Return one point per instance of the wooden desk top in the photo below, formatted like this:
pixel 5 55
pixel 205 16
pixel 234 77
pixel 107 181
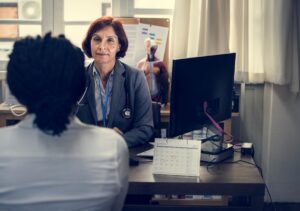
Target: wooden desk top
pixel 4 109
pixel 6 114
pixel 220 179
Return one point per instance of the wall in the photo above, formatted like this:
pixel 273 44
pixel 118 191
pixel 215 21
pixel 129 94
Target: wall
pixel 281 143
pixel 270 117
pixel 251 117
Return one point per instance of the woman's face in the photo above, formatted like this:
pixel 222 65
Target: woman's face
pixel 104 46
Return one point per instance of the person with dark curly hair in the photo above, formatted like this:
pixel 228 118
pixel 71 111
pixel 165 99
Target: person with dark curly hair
pixel 118 95
pixel 52 161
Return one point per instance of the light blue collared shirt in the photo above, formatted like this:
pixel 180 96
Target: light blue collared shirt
pixel 97 79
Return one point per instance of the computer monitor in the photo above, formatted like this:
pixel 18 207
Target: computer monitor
pixel 195 81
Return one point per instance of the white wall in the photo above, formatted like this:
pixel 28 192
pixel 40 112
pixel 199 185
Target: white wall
pixel 281 143
pixel 251 117
pixel 270 117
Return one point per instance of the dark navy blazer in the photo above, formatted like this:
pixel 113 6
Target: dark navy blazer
pixel 139 128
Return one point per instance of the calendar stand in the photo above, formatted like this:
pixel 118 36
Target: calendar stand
pixel 177 157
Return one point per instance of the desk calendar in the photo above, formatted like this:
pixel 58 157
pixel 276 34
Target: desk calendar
pixel 177 157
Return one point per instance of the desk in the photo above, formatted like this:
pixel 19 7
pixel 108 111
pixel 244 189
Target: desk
pixel 5 114
pixel 239 179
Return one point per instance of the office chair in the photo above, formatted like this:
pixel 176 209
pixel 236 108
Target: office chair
pixel 156 120
pixel 157 132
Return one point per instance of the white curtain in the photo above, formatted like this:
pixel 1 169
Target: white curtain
pixel 263 33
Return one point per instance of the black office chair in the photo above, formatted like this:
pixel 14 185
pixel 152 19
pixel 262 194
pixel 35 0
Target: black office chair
pixel 133 161
pixel 156 120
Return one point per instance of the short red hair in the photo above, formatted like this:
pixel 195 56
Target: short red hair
pixel 101 23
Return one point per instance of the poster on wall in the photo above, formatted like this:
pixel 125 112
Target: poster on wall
pixel 157 33
pixel 137 33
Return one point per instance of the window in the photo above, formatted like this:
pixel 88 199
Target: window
pixel 75 25
pixel 153 8
pixel 19 18
pixel 154 4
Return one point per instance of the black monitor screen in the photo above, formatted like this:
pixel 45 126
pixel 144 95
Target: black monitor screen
pixel 198 80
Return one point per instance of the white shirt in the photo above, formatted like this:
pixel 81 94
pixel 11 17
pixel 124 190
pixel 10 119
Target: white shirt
pixel 86 168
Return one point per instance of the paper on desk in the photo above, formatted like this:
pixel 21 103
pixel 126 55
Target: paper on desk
pixel 148 153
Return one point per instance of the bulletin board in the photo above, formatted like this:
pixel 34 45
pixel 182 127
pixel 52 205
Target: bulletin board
pixel 164 22
pixel 153 23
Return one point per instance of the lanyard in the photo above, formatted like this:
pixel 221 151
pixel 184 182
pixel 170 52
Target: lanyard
pixel 104 103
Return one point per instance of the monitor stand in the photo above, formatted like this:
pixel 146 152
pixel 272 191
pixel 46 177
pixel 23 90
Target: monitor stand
pixel 213 149
pixel 215 156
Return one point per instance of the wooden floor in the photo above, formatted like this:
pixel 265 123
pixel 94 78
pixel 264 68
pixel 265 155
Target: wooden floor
pixel 282 207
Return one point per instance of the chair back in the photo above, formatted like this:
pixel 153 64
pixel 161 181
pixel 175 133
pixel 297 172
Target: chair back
pixel 156 119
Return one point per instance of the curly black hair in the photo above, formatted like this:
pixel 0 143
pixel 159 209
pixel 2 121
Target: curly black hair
pixel 47 75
